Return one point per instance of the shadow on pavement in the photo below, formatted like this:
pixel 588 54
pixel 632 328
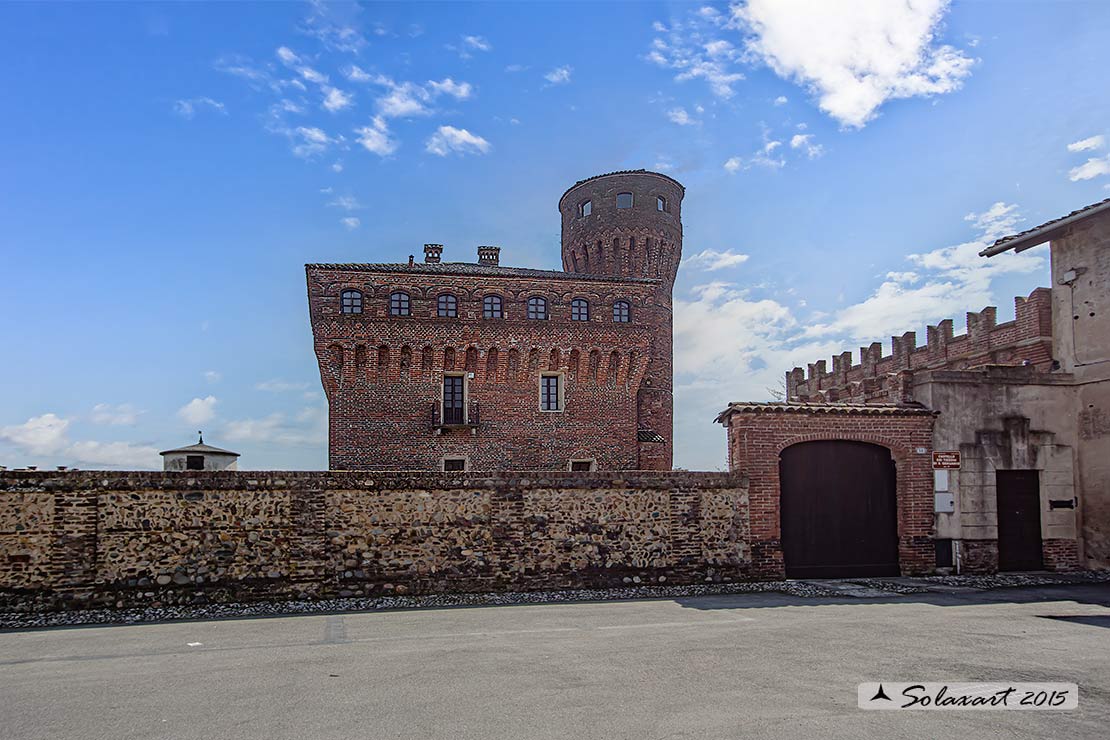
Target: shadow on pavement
pixel 1094 593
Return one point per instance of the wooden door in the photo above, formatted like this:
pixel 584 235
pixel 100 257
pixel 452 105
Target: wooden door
pixel 838 510
pixel 1019 520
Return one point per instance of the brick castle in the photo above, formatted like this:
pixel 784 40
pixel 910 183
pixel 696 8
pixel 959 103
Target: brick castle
pixel 460 365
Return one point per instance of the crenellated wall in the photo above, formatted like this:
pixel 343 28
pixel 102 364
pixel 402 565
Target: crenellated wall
pixel 115 538
pixel 1027 340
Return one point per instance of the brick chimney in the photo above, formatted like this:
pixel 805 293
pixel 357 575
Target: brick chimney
pixel 432 253
pixel 489 256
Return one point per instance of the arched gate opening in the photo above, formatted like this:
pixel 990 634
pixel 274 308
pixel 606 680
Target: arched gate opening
pixel 838 510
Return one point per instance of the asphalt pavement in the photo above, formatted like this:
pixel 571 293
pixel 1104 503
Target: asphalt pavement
pixel 745 665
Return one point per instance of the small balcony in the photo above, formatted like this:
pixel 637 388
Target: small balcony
pixel 465 417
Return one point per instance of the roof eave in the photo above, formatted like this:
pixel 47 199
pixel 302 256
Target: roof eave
pixel 1039 236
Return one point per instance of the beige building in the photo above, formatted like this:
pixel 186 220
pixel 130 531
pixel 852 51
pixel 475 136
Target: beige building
pixel 1079 245
pixel 1022 433
pixel 199 457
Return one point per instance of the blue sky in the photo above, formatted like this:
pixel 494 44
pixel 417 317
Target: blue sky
pixel 166 171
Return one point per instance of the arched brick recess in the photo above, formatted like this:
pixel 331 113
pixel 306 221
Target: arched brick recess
pixel 758 433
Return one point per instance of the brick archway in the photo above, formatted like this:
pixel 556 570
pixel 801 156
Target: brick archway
pixel 759 432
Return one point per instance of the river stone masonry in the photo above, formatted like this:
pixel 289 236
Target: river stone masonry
pixel 127 539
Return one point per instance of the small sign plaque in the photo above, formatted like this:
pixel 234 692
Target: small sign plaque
pixel 946 460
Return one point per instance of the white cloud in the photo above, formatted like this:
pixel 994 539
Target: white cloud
pixel 407 99
pixel 903 277
pixel 733 165
pixel 45 436
pixel 781 100
pixel 468 44
pixel 765 157
pixel 286 106
pixel 375 138
pixel 114 454
pixel 346 202
pixel 337 166
pixel 447 86
pixel 953 280
pixel 449 139
pixel 307 141
pixel 39 435
pixel 307 429
pixel 681 117
pixel 199 410
pixel 1090 169
pixel 188 108
pixel 805 143
pixel 711 259
pixel 477 43
pixel 335 25
pixel 122 415
pixel 336 100
pixel 693 50
pixel 212 376
pixel 512 68
pixel 1088 144
pixel 291 60
pixel 854 56
pixel 286 55
pixel 719 331
pixel 355 73
pixel 559 75
pixel 350 222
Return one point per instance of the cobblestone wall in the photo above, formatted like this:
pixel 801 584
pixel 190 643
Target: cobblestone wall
pixel 80 538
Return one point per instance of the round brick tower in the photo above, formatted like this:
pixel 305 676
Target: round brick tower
pixel 629 224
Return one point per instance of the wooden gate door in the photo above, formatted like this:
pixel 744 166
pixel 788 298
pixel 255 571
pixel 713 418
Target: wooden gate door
pixel 1019 520
pixel 838 510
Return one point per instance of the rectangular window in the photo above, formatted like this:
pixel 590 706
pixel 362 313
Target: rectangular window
pixel 453 399
pixel 399 304
pixel 550 399
pixel 581 466
pixel 194 462
pixel 454 464
pixel 491 307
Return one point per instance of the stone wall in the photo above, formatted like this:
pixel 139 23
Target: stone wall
pixel 77 538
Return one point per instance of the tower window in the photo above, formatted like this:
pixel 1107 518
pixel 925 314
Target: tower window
pixel 537 308
pixel 579 310
pixel 491 307
pixel 624 200
pixel 454 464
pixel 447 306
pixel 583 466
pixel 586 208
pixel 194 462
pixel 622 312
pixel 351 301
pixel 399 304
pixel 660 203
pixel 551 396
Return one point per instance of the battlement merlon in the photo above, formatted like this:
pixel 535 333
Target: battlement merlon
pixel 1027 339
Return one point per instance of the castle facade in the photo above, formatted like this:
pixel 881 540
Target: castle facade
pixel 439 365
